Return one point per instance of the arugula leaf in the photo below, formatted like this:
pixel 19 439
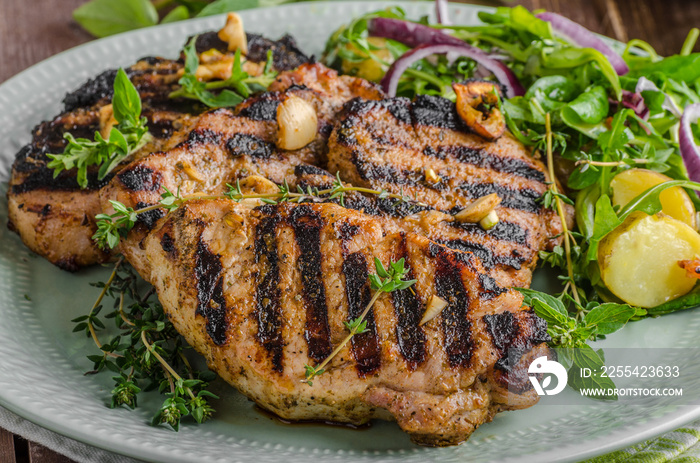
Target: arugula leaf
pixel 590 107
pixel 606 220
pixel 107 17
pixel 677 67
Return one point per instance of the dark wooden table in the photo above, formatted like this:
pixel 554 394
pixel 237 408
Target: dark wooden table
pixel 31 31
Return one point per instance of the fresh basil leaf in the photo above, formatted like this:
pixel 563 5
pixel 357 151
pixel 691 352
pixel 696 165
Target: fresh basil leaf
pixel 609 317
pixel 225 6
pixel 176 14
pixel 108 17
pixel 126 102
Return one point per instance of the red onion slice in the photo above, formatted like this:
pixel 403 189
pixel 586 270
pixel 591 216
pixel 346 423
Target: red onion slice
pixel 441 12
pixel 579 35
pixel 428 41
pixel 689 150
pixel 504 75
pixel 409 33
pixel 644 84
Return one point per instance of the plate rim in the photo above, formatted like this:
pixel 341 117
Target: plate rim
pixel 650 429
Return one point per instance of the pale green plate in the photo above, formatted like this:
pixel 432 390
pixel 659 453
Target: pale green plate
pixel 42 362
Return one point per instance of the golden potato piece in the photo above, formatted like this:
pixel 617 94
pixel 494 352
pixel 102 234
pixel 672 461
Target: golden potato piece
pixel 639 259
pixel 676 203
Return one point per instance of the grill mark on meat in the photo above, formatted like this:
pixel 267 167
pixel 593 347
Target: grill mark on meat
pixel 42 179
pixel 268 311
pixel 509 337
pixel 211 303
pixel 456 326
pixel 307 225
pixel 140 178
pixel 203 137
pixel 149 218
pixel 487 257
pixel 503 231
pixel 91 92
pixel 168 245
pixel 365 346
pixel 435 111
pixel 408 309
pixel 243 144
pixel 308 169
pixel 480 158
pixel 524 199
pixel 489 287
pixel 263 109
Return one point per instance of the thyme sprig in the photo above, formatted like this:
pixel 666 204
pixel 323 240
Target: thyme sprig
pixel 384 281
pixel 239 86
pixel 112 227
pixel 128 135
pixel 147 353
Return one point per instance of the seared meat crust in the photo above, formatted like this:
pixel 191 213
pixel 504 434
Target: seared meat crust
pixel 392 144
pixel 261 293
pixel 225 145
pixel 54 216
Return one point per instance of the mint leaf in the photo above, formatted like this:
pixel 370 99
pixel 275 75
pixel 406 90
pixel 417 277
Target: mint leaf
pixel 609 317
pixel 108 17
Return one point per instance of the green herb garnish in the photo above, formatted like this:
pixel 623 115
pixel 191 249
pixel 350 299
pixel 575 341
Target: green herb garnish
pixel 384 281
pixel 233 90
pixel 147 353
pixel 128 135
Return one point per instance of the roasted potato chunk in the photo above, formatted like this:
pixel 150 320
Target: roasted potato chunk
pixel 675 201
pixel 639 259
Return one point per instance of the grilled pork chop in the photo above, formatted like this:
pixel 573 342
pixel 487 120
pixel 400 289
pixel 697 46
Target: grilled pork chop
pixel 55 217
pixel 227 144
pixel 393 144
pixel 263 292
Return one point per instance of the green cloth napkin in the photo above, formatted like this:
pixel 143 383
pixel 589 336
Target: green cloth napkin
pixel 679 446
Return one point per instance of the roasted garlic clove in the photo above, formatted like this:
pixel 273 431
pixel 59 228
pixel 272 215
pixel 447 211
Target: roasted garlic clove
pixel 479 209
pixel 297 122
pixel 233 34
pixel 477 105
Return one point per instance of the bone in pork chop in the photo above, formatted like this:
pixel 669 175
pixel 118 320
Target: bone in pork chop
pixel 226 144
pixel 54 216
pixel 393 144
pixel 260 293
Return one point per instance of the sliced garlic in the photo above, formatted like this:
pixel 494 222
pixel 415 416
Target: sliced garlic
pixel 478 209
pixel 297 122
pixel 431 176
pixel 490 221
pixel 191 172
pixel 107 120
pixel 256 184
pixel 435 306
pixel 234 220
pixel 233 34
